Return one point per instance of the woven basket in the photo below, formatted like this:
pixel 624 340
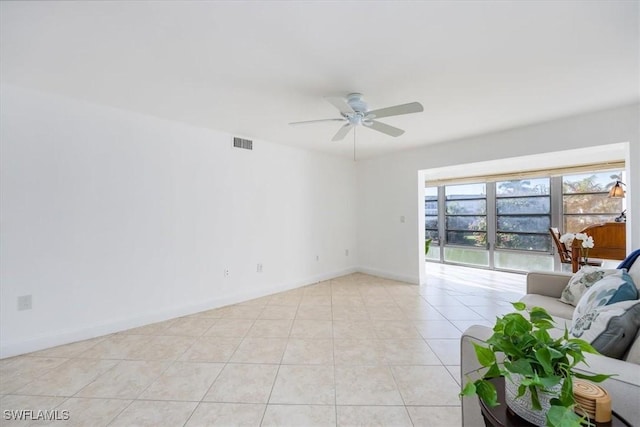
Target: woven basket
pixel 522 405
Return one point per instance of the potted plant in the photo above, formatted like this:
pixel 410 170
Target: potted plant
pixel 427 245
pixel 537 368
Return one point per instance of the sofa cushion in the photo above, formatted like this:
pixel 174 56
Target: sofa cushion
pixel 553 306
pixel 611 329
pixel 581 281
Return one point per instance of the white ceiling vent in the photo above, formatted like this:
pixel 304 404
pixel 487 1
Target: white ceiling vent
pixel 247 144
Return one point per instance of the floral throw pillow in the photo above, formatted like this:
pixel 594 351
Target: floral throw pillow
pixel 582 280
pixel 610 329
pixel 608 315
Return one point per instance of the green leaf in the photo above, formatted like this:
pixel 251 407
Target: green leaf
pixel 543 356
pixel 504 345
pixel 566 393
pixel 522 389
pixel 544 324
pixel 539 314
pixel 535 401
pixel 535 381
pixel 542 335
pixel 487 392
pixel 560 416
pixel 548 382
pixel 485 356
pixel 519 305
pixel 520 366
pixel 427 243
pixel 527 341
pixel 555 354
pixel 516 325
pixel 555 402
pixel 576 355
pixel 595 378
pixel 583 345
pixel 493 372
pixel 469 389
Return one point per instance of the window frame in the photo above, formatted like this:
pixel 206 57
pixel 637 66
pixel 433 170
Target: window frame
pixel 445 226
pixel 549 215
pixel 556 214
pixel 564 215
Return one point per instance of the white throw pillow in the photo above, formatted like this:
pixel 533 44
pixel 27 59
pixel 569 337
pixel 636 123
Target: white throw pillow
pixel 581 281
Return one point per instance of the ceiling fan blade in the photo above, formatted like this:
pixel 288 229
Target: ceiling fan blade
pixel 384 128
pixel 412 107
pixel 317 121
pixel 340 104
pixel 342 132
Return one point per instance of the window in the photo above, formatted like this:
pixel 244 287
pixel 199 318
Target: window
pixel 466 224
pixel 431 214
pixel 431 222
pixel 523 214
pixel 585 200
pixel 504 222
pixel 466 214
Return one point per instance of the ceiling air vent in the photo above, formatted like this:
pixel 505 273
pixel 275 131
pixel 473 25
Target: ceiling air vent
pixel 247 144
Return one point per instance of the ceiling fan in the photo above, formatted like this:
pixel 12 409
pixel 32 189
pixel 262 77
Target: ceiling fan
pixel 355 112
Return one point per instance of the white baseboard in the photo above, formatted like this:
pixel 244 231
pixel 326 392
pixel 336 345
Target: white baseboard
pixel 387 275
pixel 15 348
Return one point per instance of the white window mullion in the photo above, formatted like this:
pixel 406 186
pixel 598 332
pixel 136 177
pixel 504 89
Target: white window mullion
pixel 556 215
pixel 491 222
pixel 441 219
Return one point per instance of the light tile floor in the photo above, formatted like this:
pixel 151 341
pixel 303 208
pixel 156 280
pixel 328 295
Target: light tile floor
pixel 356 350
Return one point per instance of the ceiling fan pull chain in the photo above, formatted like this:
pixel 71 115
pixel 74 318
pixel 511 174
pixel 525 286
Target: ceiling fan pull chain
pixel 354 144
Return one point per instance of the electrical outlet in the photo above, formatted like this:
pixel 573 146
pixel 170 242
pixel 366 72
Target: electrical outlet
pixel 317 257
pixel 25 302
pixel 346 252
pixel 259 268
pixel 402 219
pixel 226 272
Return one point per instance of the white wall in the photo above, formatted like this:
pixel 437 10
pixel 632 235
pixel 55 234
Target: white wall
pixel 393 186
pixel 112 219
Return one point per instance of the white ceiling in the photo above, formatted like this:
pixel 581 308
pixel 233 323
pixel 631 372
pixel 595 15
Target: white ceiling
pixel 249 68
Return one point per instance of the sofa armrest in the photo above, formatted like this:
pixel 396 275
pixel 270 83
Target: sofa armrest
pixel 624 388
pixel 471 415
pixel 546 283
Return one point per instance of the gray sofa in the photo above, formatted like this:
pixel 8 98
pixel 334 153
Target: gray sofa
pixel 543 290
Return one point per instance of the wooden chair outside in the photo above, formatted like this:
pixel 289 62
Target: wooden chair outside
pixel 564 253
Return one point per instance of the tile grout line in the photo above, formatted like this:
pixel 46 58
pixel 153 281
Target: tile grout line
pixel 378 289
pixel 275 378
pixel 333 347
pixel 225 364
